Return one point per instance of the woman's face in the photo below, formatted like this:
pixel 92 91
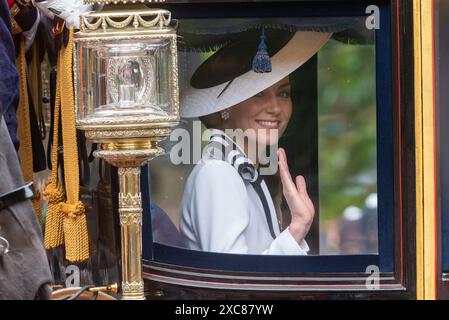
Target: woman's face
pixel 270 110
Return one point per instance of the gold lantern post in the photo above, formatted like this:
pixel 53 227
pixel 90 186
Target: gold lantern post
pixel 126 97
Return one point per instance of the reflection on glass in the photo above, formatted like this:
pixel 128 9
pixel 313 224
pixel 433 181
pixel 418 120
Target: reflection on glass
pixel 128 80
pixel 347 149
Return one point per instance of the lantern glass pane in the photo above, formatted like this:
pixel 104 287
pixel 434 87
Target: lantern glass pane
pixel 129 78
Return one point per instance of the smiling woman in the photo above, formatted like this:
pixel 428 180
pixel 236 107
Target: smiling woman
pixel 248 89
pixel 269 109
pixel 242 93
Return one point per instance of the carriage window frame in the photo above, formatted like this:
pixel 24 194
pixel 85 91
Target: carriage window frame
pixel 175 261
pixel 443 130
pixel 442 152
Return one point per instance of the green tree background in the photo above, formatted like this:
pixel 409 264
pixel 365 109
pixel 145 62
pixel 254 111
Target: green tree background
pixel 347 127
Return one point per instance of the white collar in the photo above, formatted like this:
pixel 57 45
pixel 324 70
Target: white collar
pixel 228 139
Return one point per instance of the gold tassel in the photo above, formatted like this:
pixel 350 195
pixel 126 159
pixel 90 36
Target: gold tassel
pixel 54 236
pixel 75 221
pixel 75 232
pixel 54 193
pixel 24 129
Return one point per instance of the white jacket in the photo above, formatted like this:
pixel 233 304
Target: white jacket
pixel 221 212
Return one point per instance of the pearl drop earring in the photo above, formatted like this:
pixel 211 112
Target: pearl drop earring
pixel 225 115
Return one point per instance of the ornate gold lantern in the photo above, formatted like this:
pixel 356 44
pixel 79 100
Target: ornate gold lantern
pixel 126 89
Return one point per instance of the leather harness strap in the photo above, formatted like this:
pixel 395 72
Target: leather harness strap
pixel 17 195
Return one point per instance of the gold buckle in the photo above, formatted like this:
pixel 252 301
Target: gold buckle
pixel 14 10
pixel 16 29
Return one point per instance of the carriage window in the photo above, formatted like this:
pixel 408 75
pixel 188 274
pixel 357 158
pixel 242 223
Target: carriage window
pixel 319 97
pixel 319 194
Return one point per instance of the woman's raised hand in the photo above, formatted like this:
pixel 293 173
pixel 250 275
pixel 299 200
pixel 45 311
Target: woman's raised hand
pixel 301 207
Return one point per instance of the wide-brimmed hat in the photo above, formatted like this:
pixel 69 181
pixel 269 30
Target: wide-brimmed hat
pixel 229 77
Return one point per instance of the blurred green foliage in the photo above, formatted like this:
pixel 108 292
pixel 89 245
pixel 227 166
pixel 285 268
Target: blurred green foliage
pixel 347 126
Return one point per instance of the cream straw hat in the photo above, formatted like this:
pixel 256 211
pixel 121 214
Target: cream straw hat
pixel 227 77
